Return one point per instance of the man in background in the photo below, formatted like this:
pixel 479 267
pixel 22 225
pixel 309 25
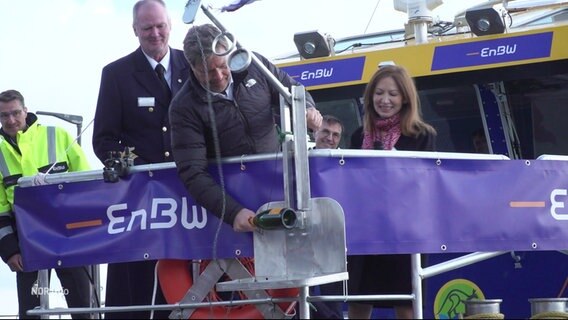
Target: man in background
pixel 132 112
pixel 27 149
pixel 479 141
pixel 219 113
pixel 328 135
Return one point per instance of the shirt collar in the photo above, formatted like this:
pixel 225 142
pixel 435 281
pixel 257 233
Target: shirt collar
pixel 165 61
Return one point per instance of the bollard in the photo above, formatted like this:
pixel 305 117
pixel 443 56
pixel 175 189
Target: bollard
pixel 549 308
pixel 483 309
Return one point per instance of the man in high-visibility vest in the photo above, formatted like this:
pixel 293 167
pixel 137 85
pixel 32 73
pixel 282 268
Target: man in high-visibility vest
pixel 29 149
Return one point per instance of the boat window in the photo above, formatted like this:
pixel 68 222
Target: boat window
pixel 540 108
pixel 346 110
pixel 454 113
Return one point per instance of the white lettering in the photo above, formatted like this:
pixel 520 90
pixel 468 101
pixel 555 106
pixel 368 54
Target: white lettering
pixel 138 213
pixel 319 73
pixel 115 220
pixel 163 215
pixel 58 168
pixel 170 212
pixel 499 51
pixel 558 204
pixel 195 223
pixel 511 49
pixel 40 291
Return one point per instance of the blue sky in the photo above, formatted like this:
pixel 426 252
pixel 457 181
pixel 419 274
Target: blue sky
pixel 54 51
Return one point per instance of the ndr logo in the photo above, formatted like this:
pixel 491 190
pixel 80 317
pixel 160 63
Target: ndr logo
pixel 499 51
pixel 317 74
pixel 164 215
pixel 43 291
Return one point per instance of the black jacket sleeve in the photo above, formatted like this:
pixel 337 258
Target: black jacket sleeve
pixel 9 241
pixel 189 145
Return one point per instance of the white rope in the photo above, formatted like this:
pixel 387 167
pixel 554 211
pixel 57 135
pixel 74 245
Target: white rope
pixel 372 15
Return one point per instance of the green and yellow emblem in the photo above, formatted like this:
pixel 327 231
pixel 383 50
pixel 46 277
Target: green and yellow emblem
pixel 449 299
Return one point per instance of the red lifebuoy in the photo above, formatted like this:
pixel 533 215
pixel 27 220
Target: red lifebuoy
pixel 175 280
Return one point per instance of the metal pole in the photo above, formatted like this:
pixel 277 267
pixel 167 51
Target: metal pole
pixel 79 127
pixel 416 285
pixel 304 305
pixel 71 118
pixel 271 78
pixel 43 290
pixel 92 270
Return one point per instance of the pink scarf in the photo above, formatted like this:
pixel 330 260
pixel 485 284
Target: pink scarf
pixel 387 131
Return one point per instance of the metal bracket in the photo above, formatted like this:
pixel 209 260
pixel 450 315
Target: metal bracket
pixel 207 280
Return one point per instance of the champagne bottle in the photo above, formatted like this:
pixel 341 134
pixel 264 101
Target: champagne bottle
pixel 275 218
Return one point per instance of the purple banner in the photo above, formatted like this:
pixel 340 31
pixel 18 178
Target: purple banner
pixel 328 72
pixel 484 52
pixel 391 205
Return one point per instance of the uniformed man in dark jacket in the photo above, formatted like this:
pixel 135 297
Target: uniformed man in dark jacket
pixel 243 104
pixel 132 111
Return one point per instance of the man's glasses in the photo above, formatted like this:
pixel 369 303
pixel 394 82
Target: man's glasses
pixel 13 113
pixel 326 132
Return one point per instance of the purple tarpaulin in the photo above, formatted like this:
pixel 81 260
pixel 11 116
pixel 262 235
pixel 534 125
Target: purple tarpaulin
pixel 391 205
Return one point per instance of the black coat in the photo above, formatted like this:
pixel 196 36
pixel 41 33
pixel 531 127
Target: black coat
pixel 244 126
pixel 120 121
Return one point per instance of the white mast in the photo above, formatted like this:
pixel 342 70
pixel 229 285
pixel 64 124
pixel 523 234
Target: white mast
pixel 419 15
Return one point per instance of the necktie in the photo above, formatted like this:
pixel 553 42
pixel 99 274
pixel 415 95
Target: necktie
pixel 160 70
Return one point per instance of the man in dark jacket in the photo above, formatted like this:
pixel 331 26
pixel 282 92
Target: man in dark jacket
pixel 132 111
pixel 132 107
pixel 240 119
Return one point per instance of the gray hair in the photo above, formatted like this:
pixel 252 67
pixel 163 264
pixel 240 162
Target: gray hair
pixel 139 4
pixel 198 43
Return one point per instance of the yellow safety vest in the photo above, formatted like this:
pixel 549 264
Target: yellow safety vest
pixel 42 149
